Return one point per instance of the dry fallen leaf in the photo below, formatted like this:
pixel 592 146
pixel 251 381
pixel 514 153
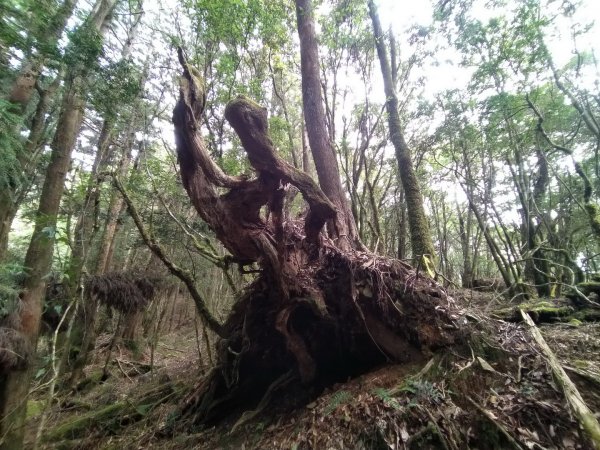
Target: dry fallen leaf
pixel 485 365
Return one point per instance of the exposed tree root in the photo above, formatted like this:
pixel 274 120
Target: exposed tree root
pixel 321 310
pixel 347 313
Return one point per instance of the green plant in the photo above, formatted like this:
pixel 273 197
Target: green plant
pixel 337 399
pixel 10 275
pixel 10 147
pixel 422 390
pixel 387 398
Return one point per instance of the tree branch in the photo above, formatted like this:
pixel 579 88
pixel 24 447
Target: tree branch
pixel 180 273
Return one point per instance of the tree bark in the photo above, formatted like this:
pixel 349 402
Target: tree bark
pixel 420 237
pixel 11 199
pixel 344 227
pixel 24 85
pixel 38 259
pixel 83 337
pixel 20 96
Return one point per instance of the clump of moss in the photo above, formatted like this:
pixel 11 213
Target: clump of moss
pixel 34 408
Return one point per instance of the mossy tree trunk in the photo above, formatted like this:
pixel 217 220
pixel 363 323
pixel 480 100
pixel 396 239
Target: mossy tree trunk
pixel 420 238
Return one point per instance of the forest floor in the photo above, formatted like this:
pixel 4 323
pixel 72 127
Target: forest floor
pixel 496 393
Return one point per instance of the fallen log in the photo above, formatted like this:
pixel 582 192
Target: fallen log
pixel 584 415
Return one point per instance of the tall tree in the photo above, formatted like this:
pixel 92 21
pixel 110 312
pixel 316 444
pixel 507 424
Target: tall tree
pixel 420 237
pixel 344 227
pixel 19 96
pixel 38 260
pixel 83 335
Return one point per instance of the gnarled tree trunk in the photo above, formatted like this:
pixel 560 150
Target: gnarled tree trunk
pixel 315 313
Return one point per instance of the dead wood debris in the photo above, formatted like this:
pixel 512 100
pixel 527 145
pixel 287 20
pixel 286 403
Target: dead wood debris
pixel 581 411
pixel 15 350
pixel 518 405
pixel 419 406
pixel 123 291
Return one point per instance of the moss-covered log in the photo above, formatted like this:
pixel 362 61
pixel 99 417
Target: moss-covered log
pixel 548 311
pixel 113 417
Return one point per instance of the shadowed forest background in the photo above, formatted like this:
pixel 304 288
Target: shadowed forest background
pixel 299 224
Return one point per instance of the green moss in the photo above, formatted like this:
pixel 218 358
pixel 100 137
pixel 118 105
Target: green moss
pixel 588 287
pixel 135 348
pixel 553 311
pixel 574 322
pixel 594 217
pixel 536 305
pixel 34 408
pixel 80 426
pixel 481 347
pixel 490 436
pixel 545 311
pixel 581 364
pixel 587 315
pixel 88 383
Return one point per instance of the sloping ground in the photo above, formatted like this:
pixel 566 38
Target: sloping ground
pixel 497 393
pixel 501 396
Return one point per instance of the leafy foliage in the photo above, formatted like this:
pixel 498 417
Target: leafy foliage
pixel 10 277
pixel 10 146
pixel 116 85
pixel 337 399
pixel 85 47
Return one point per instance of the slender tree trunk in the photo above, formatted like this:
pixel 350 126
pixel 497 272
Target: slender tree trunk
pixel 417 221
pixel 402 228
pixel 84 335
pixel 114 210
pixel 83 237
pixel 20 96
pixel 38 259
pixel 494 250
pixel 279 98
pixel 314 115
pixel 465 229
pixel 306 166
pixel 86 221
pixel 11 199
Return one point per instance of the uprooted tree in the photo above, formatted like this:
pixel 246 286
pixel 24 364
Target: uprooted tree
pixel 318 311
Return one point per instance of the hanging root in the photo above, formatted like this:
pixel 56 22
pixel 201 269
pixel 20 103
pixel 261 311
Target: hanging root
pixel 15 350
